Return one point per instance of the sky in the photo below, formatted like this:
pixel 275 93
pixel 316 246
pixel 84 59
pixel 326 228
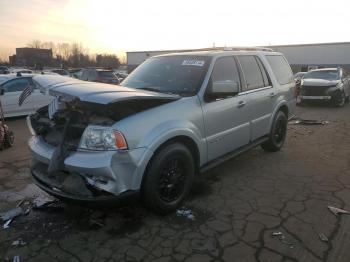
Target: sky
pixel 114 26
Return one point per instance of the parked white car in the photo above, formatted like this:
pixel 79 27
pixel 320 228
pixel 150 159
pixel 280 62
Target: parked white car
pixel 12 87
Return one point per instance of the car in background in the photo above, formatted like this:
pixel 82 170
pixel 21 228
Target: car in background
pixel 21 71
pixel 61 72
pixel 299 76
pixel 4 70
pixel 98 75
pixel 327 84
pixel 12 87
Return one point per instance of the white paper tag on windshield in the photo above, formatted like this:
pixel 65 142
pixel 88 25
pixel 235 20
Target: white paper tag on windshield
pixel 193 62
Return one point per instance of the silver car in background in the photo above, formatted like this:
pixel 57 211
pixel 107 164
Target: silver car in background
pixel 175 116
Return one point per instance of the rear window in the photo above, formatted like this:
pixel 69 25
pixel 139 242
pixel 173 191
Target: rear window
pixel 281 68
pixel 106 74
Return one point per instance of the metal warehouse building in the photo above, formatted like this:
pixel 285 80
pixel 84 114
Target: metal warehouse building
pixel 301 57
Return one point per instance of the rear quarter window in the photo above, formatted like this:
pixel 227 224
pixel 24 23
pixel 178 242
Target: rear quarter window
pixel 281 69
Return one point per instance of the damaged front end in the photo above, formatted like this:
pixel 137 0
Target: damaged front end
pixel 79 155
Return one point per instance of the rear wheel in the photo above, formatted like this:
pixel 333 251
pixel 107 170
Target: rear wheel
pixel 277 134
pixel 169 178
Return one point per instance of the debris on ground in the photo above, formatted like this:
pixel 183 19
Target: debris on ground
pixel 282 238
pixel 19 242
pixel 7 224
pixel 183 212
pixel 323 237
pixel 96 222
pixel 11 213
pixel 42 202
pixel 308 122
pixel 274 234
pixel 337 211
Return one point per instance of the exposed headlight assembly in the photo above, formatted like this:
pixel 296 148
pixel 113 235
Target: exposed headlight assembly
pixel 102 138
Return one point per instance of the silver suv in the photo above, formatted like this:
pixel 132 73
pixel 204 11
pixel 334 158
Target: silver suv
pixel 175 116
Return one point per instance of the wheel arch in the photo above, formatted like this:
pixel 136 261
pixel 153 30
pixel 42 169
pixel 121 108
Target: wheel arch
pixel 182 139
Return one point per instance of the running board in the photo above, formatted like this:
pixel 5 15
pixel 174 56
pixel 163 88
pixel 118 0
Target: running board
pixel 233 154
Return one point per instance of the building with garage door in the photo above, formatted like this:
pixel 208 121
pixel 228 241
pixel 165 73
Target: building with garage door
pixel 301 57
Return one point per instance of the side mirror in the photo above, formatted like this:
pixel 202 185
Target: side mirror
pixel 2 91
pixel 221 89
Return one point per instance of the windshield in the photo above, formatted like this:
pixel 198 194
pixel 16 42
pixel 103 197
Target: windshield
pixel 324 74
pixel 109 74
pixel 179 74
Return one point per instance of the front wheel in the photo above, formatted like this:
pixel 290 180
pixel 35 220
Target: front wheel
pixel 277 134
pixel 341 100
pixel 168 178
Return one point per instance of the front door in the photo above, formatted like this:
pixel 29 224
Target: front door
pixel 12 91
pixel 226 124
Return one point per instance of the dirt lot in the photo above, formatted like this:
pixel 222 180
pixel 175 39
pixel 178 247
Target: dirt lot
pixel 236 206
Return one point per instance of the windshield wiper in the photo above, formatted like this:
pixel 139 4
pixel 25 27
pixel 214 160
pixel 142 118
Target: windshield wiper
pixel 157 90
pixel 151 89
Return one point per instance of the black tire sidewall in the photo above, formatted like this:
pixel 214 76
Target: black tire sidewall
pixel 149 189
pixel 280 116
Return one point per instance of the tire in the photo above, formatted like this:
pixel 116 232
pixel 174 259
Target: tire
pixel 168 179
pixel 341 101
pixel 277 134
pixel 9 139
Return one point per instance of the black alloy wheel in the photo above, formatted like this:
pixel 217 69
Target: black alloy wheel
pixel 168 178
pixel 277 134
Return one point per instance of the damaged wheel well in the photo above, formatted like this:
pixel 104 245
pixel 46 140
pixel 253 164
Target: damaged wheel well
pixel 186 141
pixel 284 109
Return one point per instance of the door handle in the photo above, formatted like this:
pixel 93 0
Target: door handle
pixel 272 94
pixel 241 103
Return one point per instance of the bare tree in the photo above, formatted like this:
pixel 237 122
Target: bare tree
pixel 34 44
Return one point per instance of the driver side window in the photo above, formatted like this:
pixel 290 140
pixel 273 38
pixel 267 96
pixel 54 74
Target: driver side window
pixel 16 85
pixel 226 73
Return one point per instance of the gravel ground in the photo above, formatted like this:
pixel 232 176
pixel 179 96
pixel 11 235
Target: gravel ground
pixel 236 207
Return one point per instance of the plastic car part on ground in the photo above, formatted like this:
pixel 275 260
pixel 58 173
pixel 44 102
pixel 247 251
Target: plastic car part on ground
pixel 11 213
pixel 323 237
pixel 282 238
pixel 184 212
pixel 301 121
pixel 337 211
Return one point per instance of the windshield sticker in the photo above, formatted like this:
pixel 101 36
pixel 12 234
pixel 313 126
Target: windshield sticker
pixel 193 63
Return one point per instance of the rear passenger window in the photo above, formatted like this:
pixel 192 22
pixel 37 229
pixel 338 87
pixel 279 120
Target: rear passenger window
pixel 280 68
pixel 253 74
pixel 263 72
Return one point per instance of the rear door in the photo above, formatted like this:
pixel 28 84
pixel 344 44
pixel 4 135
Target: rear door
pixel 261 95
pixel 226 121
pixel 12 91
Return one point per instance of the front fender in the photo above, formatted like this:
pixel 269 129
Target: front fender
pixel 161 134
pixel 171 129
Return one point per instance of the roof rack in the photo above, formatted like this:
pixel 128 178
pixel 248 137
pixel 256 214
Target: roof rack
pixel 240 48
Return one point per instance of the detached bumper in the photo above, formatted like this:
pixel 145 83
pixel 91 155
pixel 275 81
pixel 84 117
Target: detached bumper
pixel 105 199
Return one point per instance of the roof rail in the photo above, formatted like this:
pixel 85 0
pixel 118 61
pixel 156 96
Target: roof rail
pixel 242 48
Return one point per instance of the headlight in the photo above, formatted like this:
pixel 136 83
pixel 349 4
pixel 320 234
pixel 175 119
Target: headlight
pixel 102 138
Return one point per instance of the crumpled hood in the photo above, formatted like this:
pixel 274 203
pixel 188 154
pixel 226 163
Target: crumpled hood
pixel 319 82
pixel 94 92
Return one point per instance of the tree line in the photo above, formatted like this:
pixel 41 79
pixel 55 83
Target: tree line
pixel 76 55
